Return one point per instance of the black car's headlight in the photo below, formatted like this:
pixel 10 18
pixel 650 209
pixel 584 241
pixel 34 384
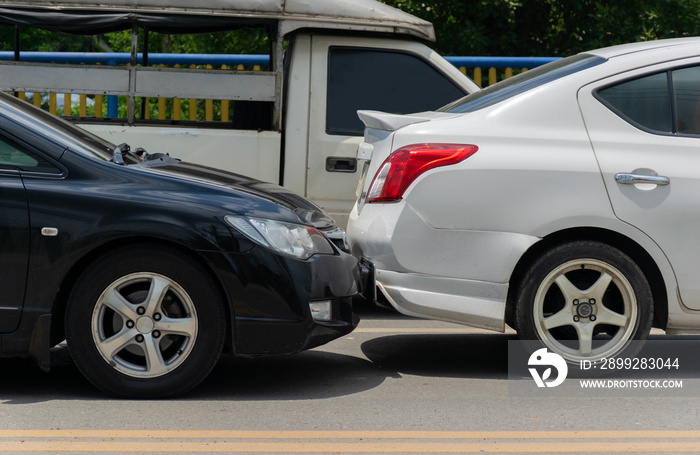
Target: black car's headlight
pixel 290 239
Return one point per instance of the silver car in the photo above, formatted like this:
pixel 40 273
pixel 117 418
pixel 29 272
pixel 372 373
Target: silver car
pixel 564 202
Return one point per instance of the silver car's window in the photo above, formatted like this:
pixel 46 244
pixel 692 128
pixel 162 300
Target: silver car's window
pixel 523 82
pixel 644 102
pixel 686 95
pixel 666 102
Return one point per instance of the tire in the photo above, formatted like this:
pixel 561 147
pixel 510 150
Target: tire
pixel 145 322
pixel 585 300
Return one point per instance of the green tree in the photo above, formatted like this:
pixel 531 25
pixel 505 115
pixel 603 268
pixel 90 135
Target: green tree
pixel 463 27
pixel 33 39
pixel 243 41
pixel 550 27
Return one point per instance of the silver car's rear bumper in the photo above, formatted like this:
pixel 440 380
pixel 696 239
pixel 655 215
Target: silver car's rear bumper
pixel 474 303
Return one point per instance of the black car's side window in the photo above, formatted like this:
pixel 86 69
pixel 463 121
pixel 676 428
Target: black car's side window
pixel 13 156
pixel 667 102
pixel 389 81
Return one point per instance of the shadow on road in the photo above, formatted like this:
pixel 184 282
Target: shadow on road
pixel 315 374
pixel 305 376
pixel 23 382
pixel 309 375
pixel 483 356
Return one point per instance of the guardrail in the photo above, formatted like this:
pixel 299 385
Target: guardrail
pixel 483 70
pixel 497 67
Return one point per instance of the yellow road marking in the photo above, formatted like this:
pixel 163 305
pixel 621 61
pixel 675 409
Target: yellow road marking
pixel 352 447
pixel 225 441
pixel 255 434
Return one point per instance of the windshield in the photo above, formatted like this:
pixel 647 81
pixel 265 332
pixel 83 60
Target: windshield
pixel 521 83
pixel 55 127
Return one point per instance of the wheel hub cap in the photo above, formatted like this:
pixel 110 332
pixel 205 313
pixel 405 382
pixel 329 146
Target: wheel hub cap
pixel 584 310
pixel 145 324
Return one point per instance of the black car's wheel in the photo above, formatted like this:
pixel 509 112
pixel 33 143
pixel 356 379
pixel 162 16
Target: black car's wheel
pixel 145 323
pixel 585 301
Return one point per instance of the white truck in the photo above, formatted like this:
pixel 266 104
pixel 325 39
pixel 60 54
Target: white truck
pixel 294 123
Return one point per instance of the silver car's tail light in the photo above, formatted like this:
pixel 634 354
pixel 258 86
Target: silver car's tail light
pixel 404 165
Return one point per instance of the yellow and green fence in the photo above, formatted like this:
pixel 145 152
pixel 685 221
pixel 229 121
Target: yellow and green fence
pixel 484 71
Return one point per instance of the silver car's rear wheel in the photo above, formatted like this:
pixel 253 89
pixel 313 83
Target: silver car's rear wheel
pixel 585 301
pixel 593 298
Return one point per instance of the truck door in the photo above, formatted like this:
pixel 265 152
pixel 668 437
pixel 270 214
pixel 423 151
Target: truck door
pixel 348 74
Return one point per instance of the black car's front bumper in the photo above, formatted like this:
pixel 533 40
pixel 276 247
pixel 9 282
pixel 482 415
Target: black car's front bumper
pixel 270 297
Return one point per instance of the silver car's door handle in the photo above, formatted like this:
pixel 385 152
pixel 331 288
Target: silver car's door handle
pixel 631 179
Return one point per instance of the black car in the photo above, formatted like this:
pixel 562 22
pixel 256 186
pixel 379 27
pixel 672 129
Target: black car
pixel 149 267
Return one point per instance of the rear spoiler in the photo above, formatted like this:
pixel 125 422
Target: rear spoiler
pixel 390 122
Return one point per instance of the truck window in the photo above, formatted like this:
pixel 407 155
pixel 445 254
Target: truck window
pixel 388 81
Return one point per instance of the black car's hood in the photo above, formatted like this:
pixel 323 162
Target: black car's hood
pixel 307 211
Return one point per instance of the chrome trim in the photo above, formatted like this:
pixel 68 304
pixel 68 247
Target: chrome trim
pixel 632 179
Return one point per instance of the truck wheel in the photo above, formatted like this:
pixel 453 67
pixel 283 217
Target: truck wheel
pixel 585 301
pixel 145 323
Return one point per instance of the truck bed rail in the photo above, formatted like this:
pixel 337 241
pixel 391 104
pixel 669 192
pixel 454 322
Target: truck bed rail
pixel 166 84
